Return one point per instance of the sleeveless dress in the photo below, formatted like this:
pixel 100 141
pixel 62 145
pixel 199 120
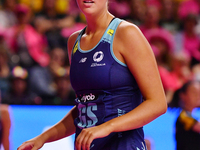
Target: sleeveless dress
pixel 105 89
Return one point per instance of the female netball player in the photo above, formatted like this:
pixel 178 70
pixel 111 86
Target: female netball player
pixel 187 98
pixel 116 80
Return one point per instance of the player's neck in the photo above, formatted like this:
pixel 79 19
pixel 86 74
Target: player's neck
pixel 99 23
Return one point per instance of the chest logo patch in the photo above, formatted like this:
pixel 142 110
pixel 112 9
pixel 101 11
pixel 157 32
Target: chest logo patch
pixel 98 56
pixel 110 32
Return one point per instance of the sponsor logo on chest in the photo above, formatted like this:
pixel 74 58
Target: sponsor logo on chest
pixel 97 59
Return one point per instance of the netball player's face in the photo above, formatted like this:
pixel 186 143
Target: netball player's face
pixel 192 95
pixel 92 7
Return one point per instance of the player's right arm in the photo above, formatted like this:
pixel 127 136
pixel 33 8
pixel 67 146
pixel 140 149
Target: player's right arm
pixel 63 128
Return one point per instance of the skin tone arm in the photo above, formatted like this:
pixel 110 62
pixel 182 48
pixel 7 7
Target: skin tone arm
pixel 6 123
pixel 62 129
pixel 133 49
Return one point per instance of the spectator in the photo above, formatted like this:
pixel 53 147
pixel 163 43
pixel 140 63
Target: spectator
pixel 174 67
pixel 36 5
pixel 65 95
pixel 152 16
pixel 168 15
pixel 27 46
pixel 7 14
pixel 58 59
pixel 163 45
pixel 137 12
pixel 119 8
pixel 179 75
pixel 196 71
pixel 181 69
pixel 76 20
pixel 187 127
pixel 4 71
pixel 50 22
pixel 187 39
pixel 42 78
pixel 19 92
pixel 4 66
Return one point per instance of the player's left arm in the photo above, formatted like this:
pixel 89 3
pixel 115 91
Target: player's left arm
pixel 136 52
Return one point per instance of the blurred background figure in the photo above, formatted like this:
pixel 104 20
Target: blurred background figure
pixel 186 38
pixel 5 125
pixel 196 71
pixel 162 44
pixel 4 67
pixel 180 73
pixel 119 8
pixel 42 78
pixel 19 91
pixel 51 20
pixel 152 16
pixel 181 69
pixel 65 95
pixel 187 127
pixel 7 14
pixel 137 12
pixel 168 15
pixel 26 44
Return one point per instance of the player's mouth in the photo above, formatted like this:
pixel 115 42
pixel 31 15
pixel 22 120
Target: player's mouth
pixel 88 1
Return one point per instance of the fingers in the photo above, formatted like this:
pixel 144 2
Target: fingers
pixel 34 148
pixel 25 146
pixel 80 139
pixel 84 140
pixel 88 143
pixel 29 146
pixel 78 143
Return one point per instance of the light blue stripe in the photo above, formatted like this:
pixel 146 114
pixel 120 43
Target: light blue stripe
pixel 111 46
pixel 115 58
pixel 106 37
pixel 86 51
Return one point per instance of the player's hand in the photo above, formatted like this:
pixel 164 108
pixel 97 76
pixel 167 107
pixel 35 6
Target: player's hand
pixel 87 135
pixel 33 144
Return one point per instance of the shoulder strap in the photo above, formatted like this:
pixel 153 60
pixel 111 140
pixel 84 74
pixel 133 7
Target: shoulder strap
pixel 110 32
pixel 75 47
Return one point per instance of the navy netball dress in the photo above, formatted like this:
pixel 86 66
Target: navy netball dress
pixel 105 89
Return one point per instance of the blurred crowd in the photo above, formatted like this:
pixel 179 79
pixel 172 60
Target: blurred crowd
pixel 34 66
